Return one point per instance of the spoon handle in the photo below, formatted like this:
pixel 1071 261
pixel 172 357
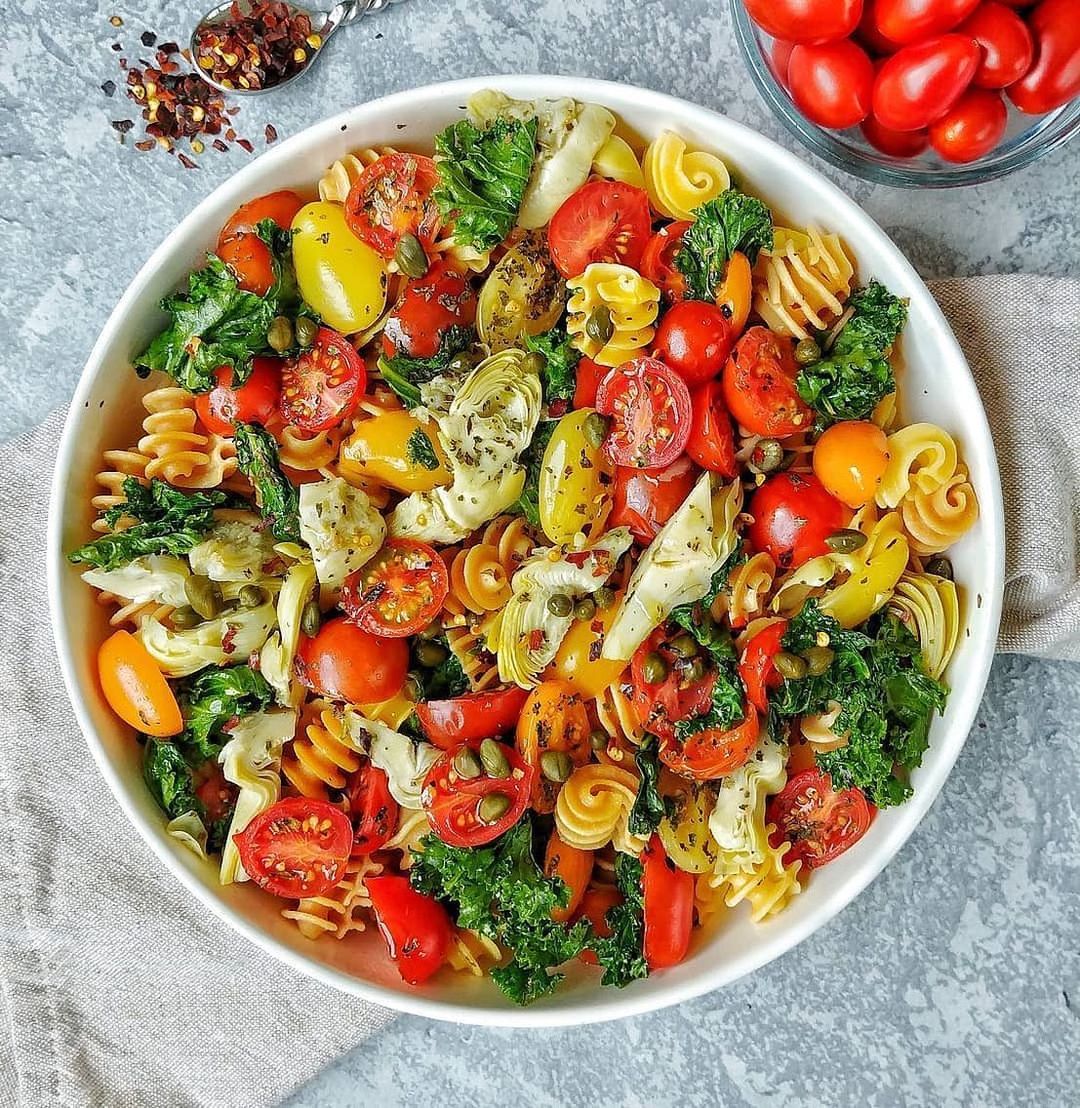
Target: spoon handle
pixel 348 11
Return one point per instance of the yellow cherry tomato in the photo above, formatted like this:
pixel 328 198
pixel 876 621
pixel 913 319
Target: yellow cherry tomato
pixel 523 295
pixel 135 688
pixel 388 449
pixel 850 460
pixel 342 278
pixel 734 292
pixel 578 661
pixel 685 831
pixel 575 482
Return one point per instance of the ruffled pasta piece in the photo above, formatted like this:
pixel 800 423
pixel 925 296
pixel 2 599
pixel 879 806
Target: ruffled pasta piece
pixel 340 911
pixel 116 467
pixel 594 806
pixel 935 520
pixel 679 180
pixel 177 449
pixel 133 613
pixel 320 757
pixel 768 887
pixel 922 456
pixel 802 282
pixel 748 587
pixel 305 453
pixel 930 607
pixel 616 715
pixel 474 643
pixel 617 161
pixel 480 574
pixel 339 178
pixel 413 826
pixel 633 301
pixel 472 953
pixel 709 903
pixel 819 729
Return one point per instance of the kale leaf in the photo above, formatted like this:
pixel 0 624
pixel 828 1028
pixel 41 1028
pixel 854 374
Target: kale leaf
pixel 405 375
pixel 622 952
pixel 731 222
pixel 482 177
pixel 648 809
pixel 420 450
pixel 275 495
pixel 446 680
pixel 285 292
pixel 559 374
pixel 528 503
pixel 168 776
pixel 212 698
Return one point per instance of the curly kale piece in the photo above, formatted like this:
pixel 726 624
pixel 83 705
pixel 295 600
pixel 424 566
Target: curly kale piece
pixel 275 495
pixel 212 698
pixel 731 222
pixel 405 375
pixel 648 809
pixel 559 375
pixel 622 952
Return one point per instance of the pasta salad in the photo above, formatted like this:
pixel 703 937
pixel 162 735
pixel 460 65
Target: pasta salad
pixel 523 553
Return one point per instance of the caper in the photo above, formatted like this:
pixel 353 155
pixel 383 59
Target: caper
pixel 494 759
pixel 940 567
pixel 533 363
pixel 186 617
pixel 600 326
pixel 430 653
pixel 696 671
pixel 251 596
pixel 493 807
pixel 595 429
pixel 432 631
pixel 685 645
pixel 604 597
pixel 311 618
pixel 818 660
pixel 807 352
pixel 462 362
pixel 767 456
pixel 280 334
pixel 410 256
pixel 598 739
pixel 560 605
pixel 203 595
pixel 790 666
pixel 584 609
pixel 467 763
pixel 846 541
pixel 306 330
pixel 654 669
pixel 555 765
pixel 414 687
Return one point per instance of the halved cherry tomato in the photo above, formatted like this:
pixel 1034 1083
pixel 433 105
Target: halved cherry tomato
pixel 604 221
pixel 135 688
pixel 416 928
pixel 714 752
pixel 427 309
pixel 280 206
pixel 850 460
pixel 694 339
pixel 668 893
pixel 453 802
pixel 373 810
pixel 650 409
pixel 1054 79
pixel 819 823
pixel 589 376
pixel 759 385
pixel 595 905
pixel 391 198
pixel 908 21
pixel 1007 46
pixel 645 501
pixel 322 385
pixel 832 83
pixel 679 696
pixel 255 401
pixel 658 260
pixel 573 867
pixel 897 144
pixel 553 718
pixel 297 847
pixel 793 516
pixel 806 20
pixel 241 249
pixel 756 664
pixel 712 438
pixel 344 662
pixel 920 83
pixel 398 592
pixel 972 127
pixel 469 718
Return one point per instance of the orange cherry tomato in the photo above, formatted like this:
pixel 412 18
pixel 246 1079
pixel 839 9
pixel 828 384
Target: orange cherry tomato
pixel 553 718
pixel 572 866
pixel 668 893
pixel 734 291
pixel 578 661
pixel 713 753
pixel 280 206
pixel 759 385
pixel 595 905
pixel 344 662
pixel 255 401
pixel 135 688
pixel 392 198
pixel 241 249
pixel 850 460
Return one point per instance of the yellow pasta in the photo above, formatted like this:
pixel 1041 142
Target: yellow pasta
pixel 470 642
pixel 473 953
pixel 617 161
pixel 749 585
pixel 768 887
pixel 307 453
pixel 480 574
pixel 708 899
pixel 679 180
pixel 930 607
pixel 177 449
pixel 632 301
pixel 335 183
pixel 117 466
pixel 819 729
pixel 340 911
pixel 935 520
pixel 319 758
pixel 922 456
pixel 594 806
pixel 133 613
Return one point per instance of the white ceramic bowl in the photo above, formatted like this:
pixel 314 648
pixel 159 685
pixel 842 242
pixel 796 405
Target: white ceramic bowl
pixel 935 382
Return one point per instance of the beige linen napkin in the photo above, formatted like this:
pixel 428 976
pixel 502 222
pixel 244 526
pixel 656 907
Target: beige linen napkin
pixel 121 990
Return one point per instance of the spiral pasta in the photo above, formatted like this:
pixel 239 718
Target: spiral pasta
pixel 319 758
pixel 617 716
pixel 819 729
pixel 480 574
pixel 632 300
pixel 594 806
pixel 413 826
pixel 935 520
pixel 617 161
pixel 305 453
pixel 768 886
pixel 749 585
pixel 470 641
pixel 340 911
pixel 133 613
pixel 679 180
pixel 339 178
pixel 922 456
pixel 175 447
pixel 930 607
pixel 116 467
pixel 472 953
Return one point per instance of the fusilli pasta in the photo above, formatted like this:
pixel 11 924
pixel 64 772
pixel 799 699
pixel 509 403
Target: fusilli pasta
pixel 480 574
pixel 340 911
pixel 935 520
pixel 116 467
pixel 318 758
pixel 930 606
pixel 768 886
pixel 679 180
pixel 922 455
pixel 472 953
pixel 177 449
pixel 749 584
pixel 594 806
pixel 633 302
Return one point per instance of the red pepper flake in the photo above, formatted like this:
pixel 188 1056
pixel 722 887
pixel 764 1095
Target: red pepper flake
pixel 245 145
pixel 271 134
pixel 186 162
pixel 219 145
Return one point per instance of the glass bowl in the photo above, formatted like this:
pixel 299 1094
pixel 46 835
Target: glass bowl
pixel 1027 139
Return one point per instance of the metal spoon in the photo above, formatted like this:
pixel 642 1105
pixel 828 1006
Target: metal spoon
pixel 324 24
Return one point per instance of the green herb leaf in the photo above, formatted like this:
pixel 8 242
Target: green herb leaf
pixel 621 954
pixel 285 292
pixel 420 450
pixel 405 375
pixel 444 681
pixel 212 698
pixel 648 809
pixel 168 776
pixel 275 495
pixel 528 503
pixel 732 222
pixel 559 375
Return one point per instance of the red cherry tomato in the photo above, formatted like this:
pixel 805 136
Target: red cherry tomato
pixel 660 705
pixel 649 405
pixel 595 905
pixel 373 810
pixel 399 592
pixel 391 198
pixel 908 21
pixel 897 144
pixel 322 385
pixel 819 823
pixel 832 83
pixel 250 261
pixel 415 927
pixel 694 339
pixel 255 401
pixel 343 662
pixel 668 895
pixel 604 221
pixel 428 308
pixel 793 516
pixel 658 260
pixel 589 376
pixel 645 501
pixel 869 35
pixel 756 668
pixel 806 20
pixel 759 385
pixel 469 718
pixel 972 127
pixel 297 847
pixel 714 753
pixel 1054 79
pixel 1007 46
pixel 712 438
pixel 919 84
pixel 280 206
pixel 777 59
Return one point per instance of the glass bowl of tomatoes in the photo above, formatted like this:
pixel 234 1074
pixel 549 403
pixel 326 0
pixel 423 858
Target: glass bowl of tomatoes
pixel 940 108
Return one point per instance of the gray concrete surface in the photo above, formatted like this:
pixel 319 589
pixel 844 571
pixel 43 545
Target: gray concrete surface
pixel 955 979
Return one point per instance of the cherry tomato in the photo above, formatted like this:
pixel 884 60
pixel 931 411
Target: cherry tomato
pixel 391 198
pixel 573 867
pixel 135 688
pixel 712 438
pixel 280 206
pixel 777 59
pixel 214 793
pixel 658 260
pixel 604 221
pixel 1007 46
pixel 250 261
pixel 416 928
pixel 694 339
pixel 255 401
pixel 578 661
pixel 298 847
pixel 832 83
pixel 806 20
pixel 399 592
pixel 589 376
pixel 793 516
pixel 735 292
pixel 759 385
pixel 454 803
pixel 428 308
pixel 972 127
pixel 346 663
pixel 1054 79
pixel 668 893
pixel 650 409
pixel 820 824
pixel 553 718
pixel 850 460
pixel 869 34
pixel 908 21
pixel 469 718
pixel 644 502
pixel 756 664
pixel 919 84
pixel 373 810
pixel 677 696
pixel 897 144
pixel 714 752
pixel 595 905
pixel 322 385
